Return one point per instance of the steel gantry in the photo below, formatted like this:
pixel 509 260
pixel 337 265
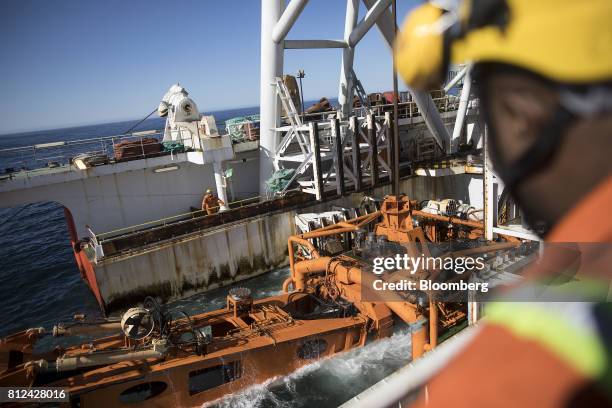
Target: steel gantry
pixel 352 148
pixel 332 154
pixel 277 19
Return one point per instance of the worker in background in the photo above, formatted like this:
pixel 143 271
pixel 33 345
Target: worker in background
pixel 211 203
pixel 543 72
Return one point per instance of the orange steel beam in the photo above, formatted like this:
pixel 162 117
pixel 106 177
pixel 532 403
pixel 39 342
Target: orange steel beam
pixel 484 249
pixel 294 239
pixel 453 220
pixel 304 268
pixel 341 227
pixel 335 229
pixel 353 280
pixel 433 325
pixel 473 224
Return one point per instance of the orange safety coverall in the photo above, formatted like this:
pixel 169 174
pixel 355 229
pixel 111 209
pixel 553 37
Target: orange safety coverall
pixel 211 204
pixel 501 368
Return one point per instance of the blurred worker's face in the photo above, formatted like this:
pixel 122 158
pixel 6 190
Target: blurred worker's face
pixel 518 106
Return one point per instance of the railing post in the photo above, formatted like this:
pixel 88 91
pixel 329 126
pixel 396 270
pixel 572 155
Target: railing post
pixel 488 192
pixel 316 160
pixel 390 145
pixel 374 145
pixel 335 123
pixel 356 151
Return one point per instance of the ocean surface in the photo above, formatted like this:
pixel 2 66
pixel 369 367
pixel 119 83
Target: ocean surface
pixel 39 280
pixel 40 285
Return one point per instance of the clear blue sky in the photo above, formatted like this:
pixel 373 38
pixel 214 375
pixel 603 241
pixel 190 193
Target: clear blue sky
pixel 74 62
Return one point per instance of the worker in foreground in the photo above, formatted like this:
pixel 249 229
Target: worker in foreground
pixel 211 203
pixel 543 72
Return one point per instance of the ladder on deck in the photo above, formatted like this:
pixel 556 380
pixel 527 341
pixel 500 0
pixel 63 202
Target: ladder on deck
pixel 361 94
pixel 319 162
pixel 297 134
pixel 283 92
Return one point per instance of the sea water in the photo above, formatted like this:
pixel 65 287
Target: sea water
pixel 40 285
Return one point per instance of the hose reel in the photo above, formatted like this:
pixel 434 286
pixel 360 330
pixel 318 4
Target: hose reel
pixel 137 323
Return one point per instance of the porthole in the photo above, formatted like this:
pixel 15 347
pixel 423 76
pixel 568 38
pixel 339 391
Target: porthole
pixel 142 392
pixel 211 377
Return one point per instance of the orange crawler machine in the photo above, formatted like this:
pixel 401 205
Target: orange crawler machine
pixel 153 359
pixel 333 273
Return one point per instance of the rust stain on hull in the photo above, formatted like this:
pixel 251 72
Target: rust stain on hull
pixel 227 250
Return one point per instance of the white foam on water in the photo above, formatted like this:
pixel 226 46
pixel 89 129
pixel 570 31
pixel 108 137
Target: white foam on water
pixel 328 382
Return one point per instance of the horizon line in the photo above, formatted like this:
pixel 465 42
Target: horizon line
pixel 105 122
pixel 111 121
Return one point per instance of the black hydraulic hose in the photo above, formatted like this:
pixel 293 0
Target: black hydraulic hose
pixel 145 118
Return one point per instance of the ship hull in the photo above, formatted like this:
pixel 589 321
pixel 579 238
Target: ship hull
pixel 227 253
pixel 230 363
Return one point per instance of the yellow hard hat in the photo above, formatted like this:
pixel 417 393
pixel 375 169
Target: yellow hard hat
pixel 208 191
pixel 567 41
